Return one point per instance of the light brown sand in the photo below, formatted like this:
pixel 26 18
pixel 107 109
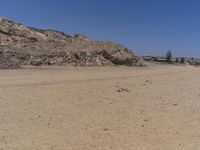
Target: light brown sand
pixel 88 108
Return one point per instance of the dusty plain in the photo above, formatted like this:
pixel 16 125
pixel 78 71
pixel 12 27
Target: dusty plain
pixel 100 108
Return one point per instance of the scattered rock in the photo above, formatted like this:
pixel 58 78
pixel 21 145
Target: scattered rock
pixel 122 90
pixel 147 82
pixel 36 62
pixel 106 129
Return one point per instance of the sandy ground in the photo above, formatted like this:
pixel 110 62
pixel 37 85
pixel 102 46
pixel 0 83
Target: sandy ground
pixel 103 108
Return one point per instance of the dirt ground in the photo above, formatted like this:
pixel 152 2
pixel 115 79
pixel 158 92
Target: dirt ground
pixel 100 108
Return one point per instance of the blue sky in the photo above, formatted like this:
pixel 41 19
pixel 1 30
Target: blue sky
pixel 144 26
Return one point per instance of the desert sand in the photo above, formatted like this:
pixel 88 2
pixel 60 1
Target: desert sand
pixel 100 108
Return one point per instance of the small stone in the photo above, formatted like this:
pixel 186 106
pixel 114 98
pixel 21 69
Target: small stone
pixel 106 129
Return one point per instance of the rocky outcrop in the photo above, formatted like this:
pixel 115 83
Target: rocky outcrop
pixel 30 46
pixel 6 61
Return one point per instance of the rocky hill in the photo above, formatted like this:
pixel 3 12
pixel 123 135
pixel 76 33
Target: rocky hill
pixel 22 45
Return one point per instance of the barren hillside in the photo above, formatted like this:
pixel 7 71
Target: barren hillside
pixel 23 45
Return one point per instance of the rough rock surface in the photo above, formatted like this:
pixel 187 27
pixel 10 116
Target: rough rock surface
pixel 22 45
pixel 6 61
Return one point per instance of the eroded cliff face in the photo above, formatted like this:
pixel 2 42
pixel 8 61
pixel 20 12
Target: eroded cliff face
pixel 22 45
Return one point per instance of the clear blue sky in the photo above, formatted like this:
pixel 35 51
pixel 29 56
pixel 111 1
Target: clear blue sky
pixel 144 26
